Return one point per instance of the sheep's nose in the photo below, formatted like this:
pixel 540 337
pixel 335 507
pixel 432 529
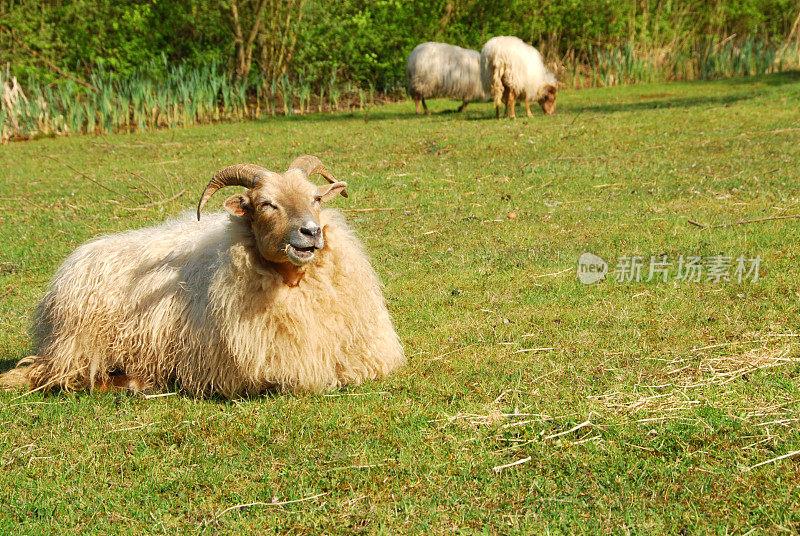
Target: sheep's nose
pixel 310 229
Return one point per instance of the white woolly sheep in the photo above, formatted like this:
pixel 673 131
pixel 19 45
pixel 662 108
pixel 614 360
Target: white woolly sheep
pixel 276 295
pixel 511 69
pixel 442 70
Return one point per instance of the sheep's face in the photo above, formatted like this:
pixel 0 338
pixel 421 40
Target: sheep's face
pixel 283 211
pixel 548 100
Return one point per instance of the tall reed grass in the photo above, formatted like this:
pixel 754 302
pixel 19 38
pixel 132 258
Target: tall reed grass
pixel 707 59
pixel 156 95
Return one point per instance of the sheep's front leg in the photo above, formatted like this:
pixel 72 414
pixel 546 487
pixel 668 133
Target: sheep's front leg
pixel 528 108
pixel 426 107
pixel 416 104
pixel 510 106
pixel 463 106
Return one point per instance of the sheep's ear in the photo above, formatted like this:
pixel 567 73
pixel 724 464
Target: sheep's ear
pixel 328 192
pixel 238 205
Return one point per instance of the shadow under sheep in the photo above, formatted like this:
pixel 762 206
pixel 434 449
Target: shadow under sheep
pixel 7 364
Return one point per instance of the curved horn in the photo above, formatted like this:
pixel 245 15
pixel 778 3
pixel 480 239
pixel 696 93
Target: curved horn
pixel 246 175
pixel 311 165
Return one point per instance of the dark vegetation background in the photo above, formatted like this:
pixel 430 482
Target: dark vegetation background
pixel 362 41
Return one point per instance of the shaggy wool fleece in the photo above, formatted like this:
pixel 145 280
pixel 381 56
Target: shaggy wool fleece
pixel 507 62
pixel 442 70
pixel 192 303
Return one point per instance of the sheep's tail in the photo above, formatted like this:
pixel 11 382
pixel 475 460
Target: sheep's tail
pixel 19 377
pixel 497 87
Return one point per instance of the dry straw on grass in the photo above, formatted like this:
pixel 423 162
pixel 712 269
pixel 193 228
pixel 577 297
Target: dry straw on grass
pixel 681 384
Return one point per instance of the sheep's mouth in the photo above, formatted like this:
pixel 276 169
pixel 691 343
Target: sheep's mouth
pixel 300 255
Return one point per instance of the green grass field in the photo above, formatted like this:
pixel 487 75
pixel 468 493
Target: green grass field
pixel 631 407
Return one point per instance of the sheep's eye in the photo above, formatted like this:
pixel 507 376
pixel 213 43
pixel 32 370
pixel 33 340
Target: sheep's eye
pixel 317 199
pixel 266 205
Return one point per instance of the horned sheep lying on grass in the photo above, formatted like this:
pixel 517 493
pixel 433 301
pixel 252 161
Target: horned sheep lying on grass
pixel 442 70
pixel 275 295
pixel 511 69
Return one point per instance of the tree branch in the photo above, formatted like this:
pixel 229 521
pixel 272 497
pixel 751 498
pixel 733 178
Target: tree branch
pixel 256 23
pixel 244 49
pixel 237 36
pixel 252 38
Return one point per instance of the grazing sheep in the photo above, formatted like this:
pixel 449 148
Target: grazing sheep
pixel 442 70
pixel 277 294
pixel 511 68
